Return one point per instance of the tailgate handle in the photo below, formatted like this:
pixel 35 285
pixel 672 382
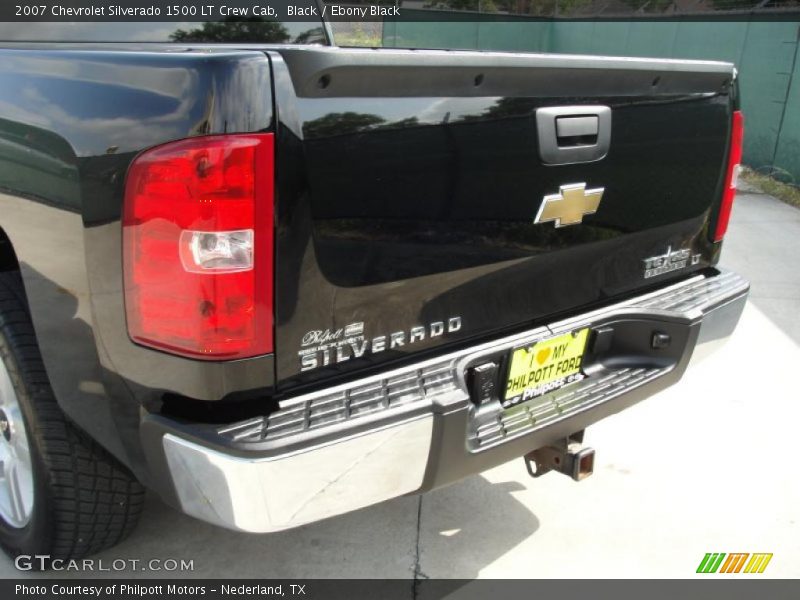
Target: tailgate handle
pixel 573 134
pixel 575 127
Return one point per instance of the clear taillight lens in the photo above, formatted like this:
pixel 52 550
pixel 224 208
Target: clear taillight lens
pixel 198 247
pixel 217 251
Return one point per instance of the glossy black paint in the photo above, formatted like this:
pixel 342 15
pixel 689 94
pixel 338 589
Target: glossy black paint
pixel 397 212
pixel 392 210
pixel 71 122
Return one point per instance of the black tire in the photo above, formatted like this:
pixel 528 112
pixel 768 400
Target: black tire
pixel 84 500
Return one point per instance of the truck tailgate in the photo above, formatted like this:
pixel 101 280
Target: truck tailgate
pixel 409 184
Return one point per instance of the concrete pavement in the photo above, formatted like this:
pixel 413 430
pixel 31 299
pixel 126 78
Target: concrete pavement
pixel 763 244
pixel 707 466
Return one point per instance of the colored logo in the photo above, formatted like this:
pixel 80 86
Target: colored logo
pixel 738 562
pixel 569 206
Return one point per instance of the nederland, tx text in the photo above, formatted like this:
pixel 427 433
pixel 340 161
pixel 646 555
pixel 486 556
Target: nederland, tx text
pixel 149 591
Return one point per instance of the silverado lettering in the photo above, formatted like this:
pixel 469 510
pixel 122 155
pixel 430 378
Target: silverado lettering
pixel 333 348
pixel 276 280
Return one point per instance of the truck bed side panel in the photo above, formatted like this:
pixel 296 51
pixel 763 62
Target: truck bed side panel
pixel 70 124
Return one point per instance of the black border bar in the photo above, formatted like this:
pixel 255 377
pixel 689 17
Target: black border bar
pixel 703 587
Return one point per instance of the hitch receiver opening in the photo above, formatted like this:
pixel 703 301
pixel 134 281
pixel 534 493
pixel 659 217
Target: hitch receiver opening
pixel 568 457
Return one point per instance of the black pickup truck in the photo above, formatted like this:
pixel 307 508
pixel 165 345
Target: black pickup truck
pixel 275 280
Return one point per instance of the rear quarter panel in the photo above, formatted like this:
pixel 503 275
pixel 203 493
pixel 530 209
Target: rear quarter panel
pixel 71 121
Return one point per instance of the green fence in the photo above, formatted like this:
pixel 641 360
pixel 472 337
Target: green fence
pixel 765 52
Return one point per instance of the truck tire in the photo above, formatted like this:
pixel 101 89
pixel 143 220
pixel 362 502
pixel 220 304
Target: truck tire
pixel 61 494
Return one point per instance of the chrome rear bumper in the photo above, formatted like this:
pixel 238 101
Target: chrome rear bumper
pixel 415 428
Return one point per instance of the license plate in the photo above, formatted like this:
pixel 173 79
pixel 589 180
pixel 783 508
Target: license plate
pixel 545 366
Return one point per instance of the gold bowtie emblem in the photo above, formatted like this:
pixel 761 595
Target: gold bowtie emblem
pixel 570 205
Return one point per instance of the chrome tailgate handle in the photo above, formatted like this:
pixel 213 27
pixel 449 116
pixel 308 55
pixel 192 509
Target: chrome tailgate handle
pixel 573 134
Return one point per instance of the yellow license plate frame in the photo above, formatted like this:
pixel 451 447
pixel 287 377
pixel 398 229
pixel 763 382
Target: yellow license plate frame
pixel 545 366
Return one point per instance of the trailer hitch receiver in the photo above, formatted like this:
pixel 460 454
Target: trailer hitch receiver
pixel 568 456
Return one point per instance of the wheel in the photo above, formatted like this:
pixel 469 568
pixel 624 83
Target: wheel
pixel 61 494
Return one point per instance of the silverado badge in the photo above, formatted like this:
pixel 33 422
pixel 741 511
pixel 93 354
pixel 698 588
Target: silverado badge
pixel 568 207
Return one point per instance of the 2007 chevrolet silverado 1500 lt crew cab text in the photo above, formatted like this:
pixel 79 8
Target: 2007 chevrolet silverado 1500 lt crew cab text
pixel 276 282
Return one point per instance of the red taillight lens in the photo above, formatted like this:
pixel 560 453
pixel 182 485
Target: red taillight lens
pixel 731 175
pixel 197 247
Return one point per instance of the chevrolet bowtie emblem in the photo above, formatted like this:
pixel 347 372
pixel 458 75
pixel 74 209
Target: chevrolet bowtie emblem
pixel 570 205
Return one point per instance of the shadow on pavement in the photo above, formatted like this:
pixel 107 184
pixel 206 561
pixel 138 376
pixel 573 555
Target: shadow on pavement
pixel 463 528
pixel 457 531
pixel 468 526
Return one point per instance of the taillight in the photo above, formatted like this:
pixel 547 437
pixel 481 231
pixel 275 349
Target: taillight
pixel 198 244
pixel 731 175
